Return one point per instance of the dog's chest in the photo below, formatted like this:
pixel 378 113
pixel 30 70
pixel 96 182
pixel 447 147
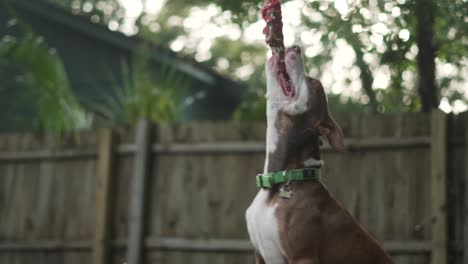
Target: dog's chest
pixel 263 229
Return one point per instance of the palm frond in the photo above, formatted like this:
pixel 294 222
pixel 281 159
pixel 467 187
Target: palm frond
pixel 156 95
pixel 56 106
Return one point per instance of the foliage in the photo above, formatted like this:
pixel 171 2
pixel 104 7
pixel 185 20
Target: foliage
pixel 251 109
pixel 381 35
pixel 451 30
pixel 234 55
pixel 166 32
pixel 157 96
pixel 99 11
pixel 242 11
pixel 45 77
pixel 358 29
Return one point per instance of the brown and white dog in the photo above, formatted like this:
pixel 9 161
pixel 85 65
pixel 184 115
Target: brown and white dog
pixel 311 226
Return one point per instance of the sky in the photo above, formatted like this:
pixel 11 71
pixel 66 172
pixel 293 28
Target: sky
pixel 203 32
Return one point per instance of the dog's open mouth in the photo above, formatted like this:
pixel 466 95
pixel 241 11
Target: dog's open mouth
pixel 271 13
pixel 279 67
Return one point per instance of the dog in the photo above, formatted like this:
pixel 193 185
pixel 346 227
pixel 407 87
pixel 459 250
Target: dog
pixel 298 221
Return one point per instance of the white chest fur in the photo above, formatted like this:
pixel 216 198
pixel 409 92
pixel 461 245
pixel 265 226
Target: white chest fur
pixel 263 229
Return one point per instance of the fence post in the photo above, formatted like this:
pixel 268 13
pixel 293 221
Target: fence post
pixel 138 192
pixel 465 201
pixel 439 187
pixel 103 196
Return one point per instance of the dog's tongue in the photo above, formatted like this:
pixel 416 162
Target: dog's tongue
pixel 271 13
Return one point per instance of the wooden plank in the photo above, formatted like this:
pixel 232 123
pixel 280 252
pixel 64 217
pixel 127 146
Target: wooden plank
pixel 233 245
pixel 439 187
pixel 104 183
pixel 386 143
pixel 246 147
pixel 45 245
pixel 214 148
pixel 47 155
pixel 465 203
pixel 221 147
pixel 193 245
pixel 138 193
pixel 200 245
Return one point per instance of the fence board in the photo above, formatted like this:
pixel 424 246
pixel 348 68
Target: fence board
pixel 189 245
pixel 438 186
pixel 138 193
pixel 465 203
pixel 104 185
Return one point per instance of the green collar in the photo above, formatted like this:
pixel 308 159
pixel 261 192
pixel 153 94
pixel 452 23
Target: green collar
pixel 268 180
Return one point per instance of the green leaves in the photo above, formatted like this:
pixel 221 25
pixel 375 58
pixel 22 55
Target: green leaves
pixel 99 11
pixel 157 96
pixel 46 81
pixel 382 35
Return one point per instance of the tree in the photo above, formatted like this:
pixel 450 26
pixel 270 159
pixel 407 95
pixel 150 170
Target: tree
pixel 423 35
pixel 425 13
pixel 384 36
pixel 99 11
pixel 427 30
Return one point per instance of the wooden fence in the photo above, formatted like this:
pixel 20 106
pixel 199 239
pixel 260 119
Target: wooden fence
pixel 177 194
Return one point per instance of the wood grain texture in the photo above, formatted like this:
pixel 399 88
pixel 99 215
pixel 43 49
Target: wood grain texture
pixel 104 186
pixel 198 192
pixel 465 203
pixel 138 193
pixel 439 187
pixel 47 199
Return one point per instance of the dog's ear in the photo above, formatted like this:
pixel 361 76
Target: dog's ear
pixel 325 123
pixel 333 132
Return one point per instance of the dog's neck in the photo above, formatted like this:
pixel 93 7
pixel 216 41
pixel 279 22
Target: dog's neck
pixel 283 152
pixel 290 143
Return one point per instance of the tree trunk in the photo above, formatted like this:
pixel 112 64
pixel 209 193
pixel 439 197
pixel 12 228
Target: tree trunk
pixel 425 11
pixel 367 79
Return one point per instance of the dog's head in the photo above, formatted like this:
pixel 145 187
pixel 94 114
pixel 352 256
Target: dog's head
pixel 302 114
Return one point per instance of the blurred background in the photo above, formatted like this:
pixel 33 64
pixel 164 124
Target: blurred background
pixel 131 130
pixel 72 64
